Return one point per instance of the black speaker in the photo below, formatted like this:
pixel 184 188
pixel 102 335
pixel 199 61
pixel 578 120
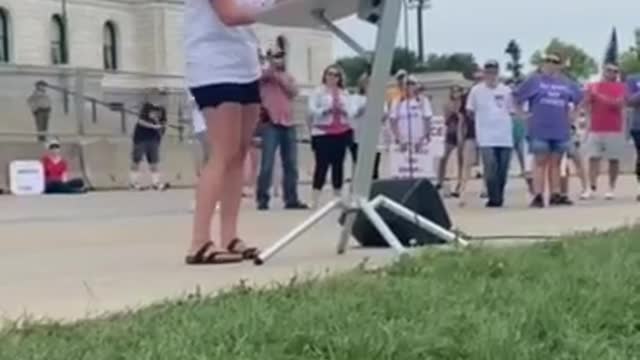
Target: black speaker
pixel 418 195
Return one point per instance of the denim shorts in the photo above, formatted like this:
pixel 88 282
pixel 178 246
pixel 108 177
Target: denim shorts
pixel 542 146
pixel 216 94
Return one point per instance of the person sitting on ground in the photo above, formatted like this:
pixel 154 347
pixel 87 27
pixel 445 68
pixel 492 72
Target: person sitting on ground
pixel 56 172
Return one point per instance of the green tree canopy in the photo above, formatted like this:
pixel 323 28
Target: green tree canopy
pixel 580 65
pixel 515 57
pixel 355 66
pixel 630 61
pixel 465 63
pixel 460 62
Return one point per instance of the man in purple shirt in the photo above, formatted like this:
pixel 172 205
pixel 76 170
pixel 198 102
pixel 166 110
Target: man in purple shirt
pixel 550 97
pixel 633 100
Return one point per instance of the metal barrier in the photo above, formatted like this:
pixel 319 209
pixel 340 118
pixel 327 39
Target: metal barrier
pixel 179 126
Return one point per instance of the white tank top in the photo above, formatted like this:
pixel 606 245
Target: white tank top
pixel 216 53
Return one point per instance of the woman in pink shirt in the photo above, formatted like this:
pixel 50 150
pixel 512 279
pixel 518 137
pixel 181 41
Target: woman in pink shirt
pixel 330 130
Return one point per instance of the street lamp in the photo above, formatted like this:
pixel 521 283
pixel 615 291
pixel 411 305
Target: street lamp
pixel 63 15
pixel 420 6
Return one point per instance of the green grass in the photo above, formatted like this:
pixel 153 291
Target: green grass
pixel 576 299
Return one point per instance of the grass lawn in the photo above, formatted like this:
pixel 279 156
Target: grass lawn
pixel 576 299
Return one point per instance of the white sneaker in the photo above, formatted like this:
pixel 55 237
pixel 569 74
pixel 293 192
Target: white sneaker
pixel 609 196
pixel 586 195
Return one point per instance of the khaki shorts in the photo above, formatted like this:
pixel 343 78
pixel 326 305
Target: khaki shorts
pixel 608 146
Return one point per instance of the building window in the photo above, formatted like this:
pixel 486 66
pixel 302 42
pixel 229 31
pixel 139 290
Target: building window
pixel 109 46
pixel 4 36
pixel 58 41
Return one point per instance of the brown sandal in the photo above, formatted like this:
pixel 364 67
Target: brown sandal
pixel 201 257
pixel 248 253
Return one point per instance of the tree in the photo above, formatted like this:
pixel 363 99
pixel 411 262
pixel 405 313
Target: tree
pixel 460 62
pixel 579 65
pixel 514 65
pixel 630 61
pixel 405 59
pixel 355 66
pixel 637 38
pixel 611 55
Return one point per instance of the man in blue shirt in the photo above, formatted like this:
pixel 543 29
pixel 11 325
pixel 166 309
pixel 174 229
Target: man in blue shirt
pixel 633 100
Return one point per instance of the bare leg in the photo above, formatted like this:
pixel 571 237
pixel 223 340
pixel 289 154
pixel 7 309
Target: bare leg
pixel 614 170
pixel 541 163
pixel 252 162
pixel 582 176
pixel 519 148
pixel 554 173
pixel 467 148
pixel 224 131
pixel 594 172
pixel 442 166
pixel 232 189
pixel 460 163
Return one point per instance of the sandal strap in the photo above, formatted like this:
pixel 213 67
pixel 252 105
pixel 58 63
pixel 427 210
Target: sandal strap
pixel 248 252
pixel 199 257
pixel 234 244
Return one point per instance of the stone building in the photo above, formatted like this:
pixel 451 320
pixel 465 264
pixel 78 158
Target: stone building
pixel 124 47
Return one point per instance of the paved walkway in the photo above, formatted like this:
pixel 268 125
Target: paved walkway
pixel 68 257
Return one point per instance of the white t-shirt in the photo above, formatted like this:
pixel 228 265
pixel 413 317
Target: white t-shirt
pixel 412 116
pixel 492 108
pixel 199 124
pixel 216 53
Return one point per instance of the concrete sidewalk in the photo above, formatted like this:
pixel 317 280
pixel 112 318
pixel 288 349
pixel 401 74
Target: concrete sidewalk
pixel 71 257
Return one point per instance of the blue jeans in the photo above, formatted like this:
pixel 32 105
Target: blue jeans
pixel 495 162
pixel 275 136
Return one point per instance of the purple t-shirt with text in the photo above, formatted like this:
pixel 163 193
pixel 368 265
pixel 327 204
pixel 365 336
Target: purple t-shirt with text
pixel 633 88
pixel 549 98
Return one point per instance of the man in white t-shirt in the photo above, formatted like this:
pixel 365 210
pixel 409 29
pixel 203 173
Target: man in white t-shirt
pixel 490 103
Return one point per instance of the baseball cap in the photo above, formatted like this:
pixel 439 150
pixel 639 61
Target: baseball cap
pixel 53 143
pixel 552 57
pixel 491 64
pixel 400 73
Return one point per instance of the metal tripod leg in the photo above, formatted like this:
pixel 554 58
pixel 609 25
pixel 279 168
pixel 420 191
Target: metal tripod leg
pixel 424 223
pixel 369 210
pixel 345 235
pixel 297 231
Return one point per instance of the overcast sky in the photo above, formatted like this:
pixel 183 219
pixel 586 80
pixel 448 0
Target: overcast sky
pixel 485 27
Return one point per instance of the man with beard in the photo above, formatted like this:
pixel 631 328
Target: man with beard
pixel 278 89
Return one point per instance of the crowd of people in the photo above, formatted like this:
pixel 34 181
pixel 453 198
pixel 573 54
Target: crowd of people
pixel 544 115
pixel 487 123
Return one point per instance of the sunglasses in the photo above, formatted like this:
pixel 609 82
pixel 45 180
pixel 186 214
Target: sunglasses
pixel 553 61
pixel 612 70
pixel 333 73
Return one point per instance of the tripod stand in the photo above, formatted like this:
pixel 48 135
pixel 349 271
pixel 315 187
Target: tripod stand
pixel 358 199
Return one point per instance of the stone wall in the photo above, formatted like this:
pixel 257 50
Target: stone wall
pixel 148 32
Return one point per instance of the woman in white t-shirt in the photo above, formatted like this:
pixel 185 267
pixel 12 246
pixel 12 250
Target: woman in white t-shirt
pixel 411 118
pixel 222 72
